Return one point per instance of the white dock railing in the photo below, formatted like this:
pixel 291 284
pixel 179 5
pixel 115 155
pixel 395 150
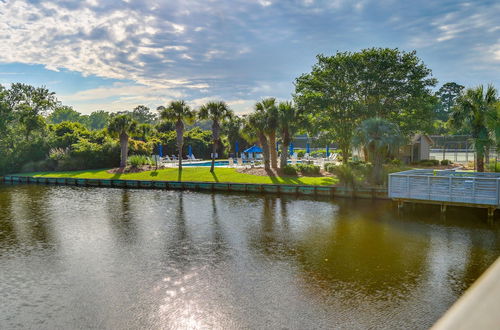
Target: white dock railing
pixel 446 186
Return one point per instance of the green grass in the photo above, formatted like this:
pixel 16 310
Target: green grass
pixel 190 174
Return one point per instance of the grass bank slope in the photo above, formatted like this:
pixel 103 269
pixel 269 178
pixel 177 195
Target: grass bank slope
pixel 199 174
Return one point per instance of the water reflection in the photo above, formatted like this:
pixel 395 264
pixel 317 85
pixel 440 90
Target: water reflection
pixel 113 258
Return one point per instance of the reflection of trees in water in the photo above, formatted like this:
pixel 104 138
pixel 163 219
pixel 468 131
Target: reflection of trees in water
pixel 122 221
pixel 480 255
pixel 24 216
pixel 181 248
pixel 219 245
pixel 354 249
pixel 7 230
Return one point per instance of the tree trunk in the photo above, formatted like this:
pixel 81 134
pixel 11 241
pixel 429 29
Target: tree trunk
pixel 378 158
pixel 214 150
pixel 284 148
pixel 272 150
pixel 480 159
pixel 345 147
pixel 284 154
pixel 179 127
pixel 265 150
pixel 215 134
pixel 123 149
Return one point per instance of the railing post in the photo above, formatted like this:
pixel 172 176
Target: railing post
pixel 449 190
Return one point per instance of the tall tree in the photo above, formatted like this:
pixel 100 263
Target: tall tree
pixel 178 112
pixel 473 109
pixel 218 112
pixel 98 119
pixel 328 96
pixel 269 109
pixel 344 89
pixel 39 99
pixel 122 126
pixel 233 129
pixel 379 137
pixel 143 115
pixel 255 129
pixel 288 123
pixel 447 95
pixel 64 113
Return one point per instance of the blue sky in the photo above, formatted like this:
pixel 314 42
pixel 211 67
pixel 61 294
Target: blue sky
pixel 114 55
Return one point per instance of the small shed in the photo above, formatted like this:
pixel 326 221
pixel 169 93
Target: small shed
pixel 418 149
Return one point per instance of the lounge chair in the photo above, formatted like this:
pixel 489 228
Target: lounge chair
pixel 240 162
pixel 231 162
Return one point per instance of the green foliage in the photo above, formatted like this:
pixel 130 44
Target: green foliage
pixel 447 96
pixel 139 160
pixel 494 166
pixel 445 162
pixel 307 169
pixel 140 147
pixel 64 113
pixel 300 152
pixel 289 170
pixel 346 175
pixel 344 89
pixel 427 162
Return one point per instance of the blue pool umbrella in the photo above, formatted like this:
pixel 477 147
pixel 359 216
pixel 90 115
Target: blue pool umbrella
pixel 327 151
pixel 291 149
pixel 160 150
pixel 236 148
pixel 308 149
pixel 190 151
pixel 253 148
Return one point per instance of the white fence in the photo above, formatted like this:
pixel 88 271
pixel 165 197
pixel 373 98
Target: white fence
pixel 458 155
pixel 446 186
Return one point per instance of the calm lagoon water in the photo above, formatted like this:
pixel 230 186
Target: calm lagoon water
pixel 73 257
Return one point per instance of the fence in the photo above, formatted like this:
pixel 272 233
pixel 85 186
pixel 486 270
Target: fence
pixel 446 186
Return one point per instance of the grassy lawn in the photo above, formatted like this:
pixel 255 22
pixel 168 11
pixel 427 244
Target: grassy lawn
pixel 190 174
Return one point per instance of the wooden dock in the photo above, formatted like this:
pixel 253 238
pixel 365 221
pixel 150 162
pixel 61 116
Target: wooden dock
pixel 446 187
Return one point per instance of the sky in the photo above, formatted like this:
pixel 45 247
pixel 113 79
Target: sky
pixel 115 55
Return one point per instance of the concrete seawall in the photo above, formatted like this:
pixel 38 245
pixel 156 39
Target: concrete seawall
pixel 305 190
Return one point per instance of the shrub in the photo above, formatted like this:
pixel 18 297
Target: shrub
pixel 330 167
pixel 318 153
pixel 428 162
pixel 289 170
pixel 307 169
pixel 140 147
pixel 494 166
pixel 139 160
pixel 445 162
pixel 395 162
pixel 300 152
pixel 347 175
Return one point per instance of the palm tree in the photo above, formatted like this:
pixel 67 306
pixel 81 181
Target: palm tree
pixel 217 112
pixel 379 137
pixel 123 126
pixel 255 129
pixel 472 109
pixel 288 123
pixel 268 107
pixel 144 131
pixel 178 112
